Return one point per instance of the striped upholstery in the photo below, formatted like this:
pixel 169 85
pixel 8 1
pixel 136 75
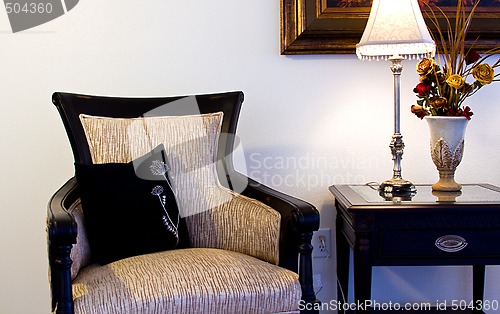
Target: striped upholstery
pixel 215 216
pixel 232 265
pixel 191 280
pixel 80 252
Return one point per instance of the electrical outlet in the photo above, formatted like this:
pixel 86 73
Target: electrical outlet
pixel 321 242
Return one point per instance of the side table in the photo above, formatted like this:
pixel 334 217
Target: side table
pixel 430 228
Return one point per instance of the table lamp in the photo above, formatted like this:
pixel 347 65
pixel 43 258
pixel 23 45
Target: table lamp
pixel 396 31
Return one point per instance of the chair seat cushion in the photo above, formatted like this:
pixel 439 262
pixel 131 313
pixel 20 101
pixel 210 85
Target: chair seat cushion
pixel 192 280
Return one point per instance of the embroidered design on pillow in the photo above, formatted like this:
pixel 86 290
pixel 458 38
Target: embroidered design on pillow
pixel 130 208
pixel 159 168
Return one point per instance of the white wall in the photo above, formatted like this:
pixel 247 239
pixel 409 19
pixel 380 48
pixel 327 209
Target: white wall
pixel 332 113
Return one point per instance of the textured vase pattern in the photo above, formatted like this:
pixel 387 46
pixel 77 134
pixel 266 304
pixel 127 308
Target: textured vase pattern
pixel 444 158
pixel 447 148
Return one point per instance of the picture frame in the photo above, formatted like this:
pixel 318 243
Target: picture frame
pixel 317 27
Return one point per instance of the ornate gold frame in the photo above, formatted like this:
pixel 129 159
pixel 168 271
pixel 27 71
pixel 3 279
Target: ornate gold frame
pixel 311 27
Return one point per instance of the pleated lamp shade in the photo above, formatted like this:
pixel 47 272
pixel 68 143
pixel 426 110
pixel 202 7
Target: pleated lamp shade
pixel 395 28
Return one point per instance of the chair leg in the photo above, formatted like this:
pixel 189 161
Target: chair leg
pixel 306 274
pixel 62 264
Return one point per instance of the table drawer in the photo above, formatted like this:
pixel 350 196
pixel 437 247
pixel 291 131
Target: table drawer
pixel 437 243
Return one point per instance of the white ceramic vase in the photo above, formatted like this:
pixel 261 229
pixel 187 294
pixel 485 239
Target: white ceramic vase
pixel 447 147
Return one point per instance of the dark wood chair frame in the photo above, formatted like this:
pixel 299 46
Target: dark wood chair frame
pixel 299 219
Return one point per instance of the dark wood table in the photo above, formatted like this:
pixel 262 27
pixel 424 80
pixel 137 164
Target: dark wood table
pixel 428 228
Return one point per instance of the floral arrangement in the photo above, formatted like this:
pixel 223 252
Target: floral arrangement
pixel 444 82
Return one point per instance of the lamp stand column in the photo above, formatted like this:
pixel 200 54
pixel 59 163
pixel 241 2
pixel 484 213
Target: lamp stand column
pixel 397 185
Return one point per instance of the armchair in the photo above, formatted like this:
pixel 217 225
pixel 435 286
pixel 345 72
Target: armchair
pixel 249 246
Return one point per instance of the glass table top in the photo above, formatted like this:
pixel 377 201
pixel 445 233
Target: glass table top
pixel 471 193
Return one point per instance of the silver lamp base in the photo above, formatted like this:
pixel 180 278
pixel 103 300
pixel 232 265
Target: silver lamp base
pixel 397 190
pixel 397 186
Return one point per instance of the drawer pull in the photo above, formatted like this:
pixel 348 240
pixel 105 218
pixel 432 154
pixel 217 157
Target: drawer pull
pixel 451 243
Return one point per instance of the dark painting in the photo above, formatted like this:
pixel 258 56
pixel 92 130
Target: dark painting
pixel 336 26
pixel 443 3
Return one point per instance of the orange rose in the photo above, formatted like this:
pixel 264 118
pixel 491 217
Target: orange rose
pixel 425 66
pixel 438 102
pixel 419 111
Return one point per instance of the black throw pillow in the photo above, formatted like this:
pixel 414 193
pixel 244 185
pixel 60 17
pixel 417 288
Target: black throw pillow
pixel 130 208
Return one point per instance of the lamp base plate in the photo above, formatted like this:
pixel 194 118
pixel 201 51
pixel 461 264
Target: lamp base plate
pixel 397 188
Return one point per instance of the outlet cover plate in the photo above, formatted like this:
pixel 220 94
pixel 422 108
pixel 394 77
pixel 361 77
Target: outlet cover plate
pixel 320 250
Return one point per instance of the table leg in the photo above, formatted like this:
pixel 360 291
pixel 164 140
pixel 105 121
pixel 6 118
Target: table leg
pixel 478 275
pixel 362 270
pixel 343 252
